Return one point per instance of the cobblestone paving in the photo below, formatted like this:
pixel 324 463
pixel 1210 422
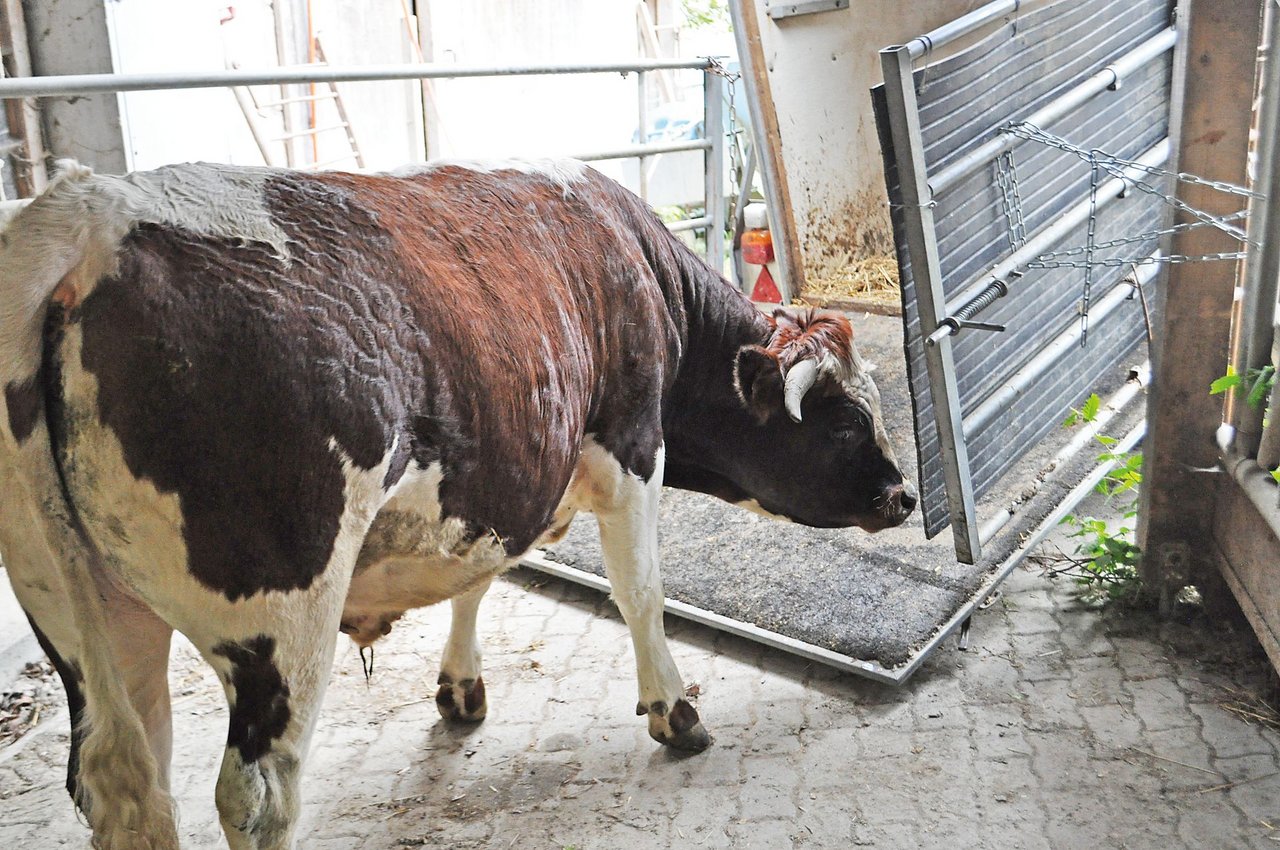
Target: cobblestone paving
pixel 1059 728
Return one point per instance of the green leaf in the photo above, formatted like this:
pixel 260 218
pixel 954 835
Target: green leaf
pixel 1072 418
pixel 1226 382
pixel 1090 410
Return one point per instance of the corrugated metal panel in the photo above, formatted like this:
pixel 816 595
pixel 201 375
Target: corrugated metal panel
pixel 962 102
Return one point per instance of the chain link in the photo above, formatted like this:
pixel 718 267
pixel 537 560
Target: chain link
pixel 1116 167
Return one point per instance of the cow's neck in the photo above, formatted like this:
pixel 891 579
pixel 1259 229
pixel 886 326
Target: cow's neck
pixel 703 409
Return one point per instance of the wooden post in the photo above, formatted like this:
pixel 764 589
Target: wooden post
pixel 23 115
pixel 1218 40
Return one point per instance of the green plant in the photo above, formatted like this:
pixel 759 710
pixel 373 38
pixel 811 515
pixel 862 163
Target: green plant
pixel 1106 558
pixel 1260 383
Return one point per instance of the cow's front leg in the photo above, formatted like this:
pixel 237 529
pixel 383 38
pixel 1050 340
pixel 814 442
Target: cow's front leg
pixel 461 693
pixel 628 514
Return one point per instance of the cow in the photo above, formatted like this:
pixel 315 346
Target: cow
pixel 262 407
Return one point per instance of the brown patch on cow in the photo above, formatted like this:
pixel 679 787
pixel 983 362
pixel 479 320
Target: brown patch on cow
pixel 25 402
pixel 65 294
pixel 683 717
pixel 810 334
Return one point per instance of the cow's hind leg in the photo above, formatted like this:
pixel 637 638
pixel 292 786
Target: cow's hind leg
pixel 275 681
pixel 628 514
pixel 461 693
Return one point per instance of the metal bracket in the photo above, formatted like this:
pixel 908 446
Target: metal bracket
pixel 962 642
pixel 954 326
pixel 778 10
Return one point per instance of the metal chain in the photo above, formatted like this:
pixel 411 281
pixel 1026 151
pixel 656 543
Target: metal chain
pixel 1095 173
pixel 1007 180
pixel 1137 238
pixel 1121 262
pixel 1116 167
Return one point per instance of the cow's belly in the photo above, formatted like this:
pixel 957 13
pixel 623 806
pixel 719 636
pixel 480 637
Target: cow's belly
pixel 412 557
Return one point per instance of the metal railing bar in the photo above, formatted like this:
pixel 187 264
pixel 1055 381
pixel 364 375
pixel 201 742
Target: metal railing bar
pixel 1262 268
pixel 1018 383
pixel 635 151
pixel 1107 78
pixel 1109 409
pixel 922 245
pixel 690 224
pixel 1108 193
pixel 962 26
pixel 81 84
pixel 713 167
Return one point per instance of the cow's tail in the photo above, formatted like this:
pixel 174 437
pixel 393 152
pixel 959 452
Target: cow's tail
pixel 43 252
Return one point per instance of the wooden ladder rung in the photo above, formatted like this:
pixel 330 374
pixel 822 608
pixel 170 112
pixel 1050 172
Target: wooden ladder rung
pixel 310 131
pixel 311 98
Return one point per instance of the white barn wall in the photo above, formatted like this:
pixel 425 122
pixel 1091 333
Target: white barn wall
pixel 820 68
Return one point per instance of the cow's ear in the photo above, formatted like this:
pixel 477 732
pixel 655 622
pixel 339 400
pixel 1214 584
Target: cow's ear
pixel 758 379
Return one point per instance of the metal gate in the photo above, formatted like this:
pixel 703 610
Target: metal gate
pixel 1019 172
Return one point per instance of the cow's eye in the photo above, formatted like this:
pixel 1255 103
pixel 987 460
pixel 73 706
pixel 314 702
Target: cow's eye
pixel 844 435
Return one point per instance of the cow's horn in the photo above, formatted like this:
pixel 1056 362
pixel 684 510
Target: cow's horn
pixel 800 379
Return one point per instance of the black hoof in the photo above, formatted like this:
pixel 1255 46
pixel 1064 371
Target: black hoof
pixel 463 700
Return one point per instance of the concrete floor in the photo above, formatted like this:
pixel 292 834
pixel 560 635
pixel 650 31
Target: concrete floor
pixel 1060 728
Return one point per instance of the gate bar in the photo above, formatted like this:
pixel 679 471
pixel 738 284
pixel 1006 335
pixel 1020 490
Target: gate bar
pixel 79 84
pixel 1109 77
pixel 1262 268
pixel 922 243
pixel 960 27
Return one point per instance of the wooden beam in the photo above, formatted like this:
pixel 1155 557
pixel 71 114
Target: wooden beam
pixel 23 116
pixel 755 76
pixel 1218 42
pixel 1248 554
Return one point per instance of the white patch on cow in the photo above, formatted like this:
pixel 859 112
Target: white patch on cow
pixel 69 236
pixel 414 556
pixel 755 508
pixel 10 209
pixel 562 171
pixel 627 510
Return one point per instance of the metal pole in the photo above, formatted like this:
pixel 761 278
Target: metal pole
pixel 642 95
pixel 713 159
pixel 1105 79
pixel 646 150
pixel 78 84
pixel 904 120
pixel 740 214
pixel 960 27
pixel 1262 268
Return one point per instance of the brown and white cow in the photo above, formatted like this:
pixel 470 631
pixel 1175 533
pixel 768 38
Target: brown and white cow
pixel 260 407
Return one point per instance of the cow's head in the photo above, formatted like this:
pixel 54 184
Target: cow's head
pixel 817 418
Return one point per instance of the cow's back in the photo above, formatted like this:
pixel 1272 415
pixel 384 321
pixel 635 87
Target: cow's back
pixel 482 320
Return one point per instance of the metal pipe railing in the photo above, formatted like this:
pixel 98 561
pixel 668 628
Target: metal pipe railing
pixel 642 151
pixel 236 79
pixel 1063 225
pixel 1262 266
pixel 1108 411
pixel 1108 78
pixel 960 27
pixel 81 84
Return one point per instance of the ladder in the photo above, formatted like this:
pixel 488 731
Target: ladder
pixel 255 113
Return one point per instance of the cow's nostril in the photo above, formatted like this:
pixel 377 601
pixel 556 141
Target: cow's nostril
pixel 908 500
